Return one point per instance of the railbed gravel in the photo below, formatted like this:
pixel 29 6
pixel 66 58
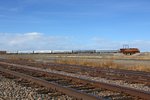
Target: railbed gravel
pixel 10 90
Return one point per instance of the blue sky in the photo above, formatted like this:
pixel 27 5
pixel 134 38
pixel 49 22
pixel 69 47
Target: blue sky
pixel 74 24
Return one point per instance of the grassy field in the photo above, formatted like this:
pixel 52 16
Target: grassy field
pixel 138 62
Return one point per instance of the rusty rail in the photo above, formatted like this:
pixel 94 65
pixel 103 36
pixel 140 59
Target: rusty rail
pixel 127 75
pixel 71 92
pixel 109 70
pixel 130 91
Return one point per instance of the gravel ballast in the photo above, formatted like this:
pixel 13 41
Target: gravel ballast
pixel 10 90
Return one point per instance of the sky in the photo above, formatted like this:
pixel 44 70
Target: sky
pixel 74 24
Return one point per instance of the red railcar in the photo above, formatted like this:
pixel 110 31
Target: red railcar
pixel 129 51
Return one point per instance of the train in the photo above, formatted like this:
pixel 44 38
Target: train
pixel 126 51
pixel 62 51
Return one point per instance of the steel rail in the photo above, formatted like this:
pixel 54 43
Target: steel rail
pixel 109 70
pixel 144 77
pixel 130 91
pixel 71 92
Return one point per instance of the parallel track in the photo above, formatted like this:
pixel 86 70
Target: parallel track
pixel 133 92
pixel 108 73
pixel 118 74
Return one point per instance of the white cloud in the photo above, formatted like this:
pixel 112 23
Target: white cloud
pixel 32 34
pixel 31 41
pixel 40 41
pixel 23 38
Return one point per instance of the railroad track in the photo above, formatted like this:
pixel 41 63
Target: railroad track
pixel 108 73
pixel 115 74
pixel 109 70
pixel 50 85
pixel 85 88
pixel 133 79
pixel 38 91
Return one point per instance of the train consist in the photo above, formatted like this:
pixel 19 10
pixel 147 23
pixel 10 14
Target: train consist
pixel 127 51
pixel 62 51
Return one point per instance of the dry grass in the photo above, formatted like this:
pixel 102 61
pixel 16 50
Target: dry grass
pixel 85 62
pixel 103 64
pixel 139 68
pixel 107 62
